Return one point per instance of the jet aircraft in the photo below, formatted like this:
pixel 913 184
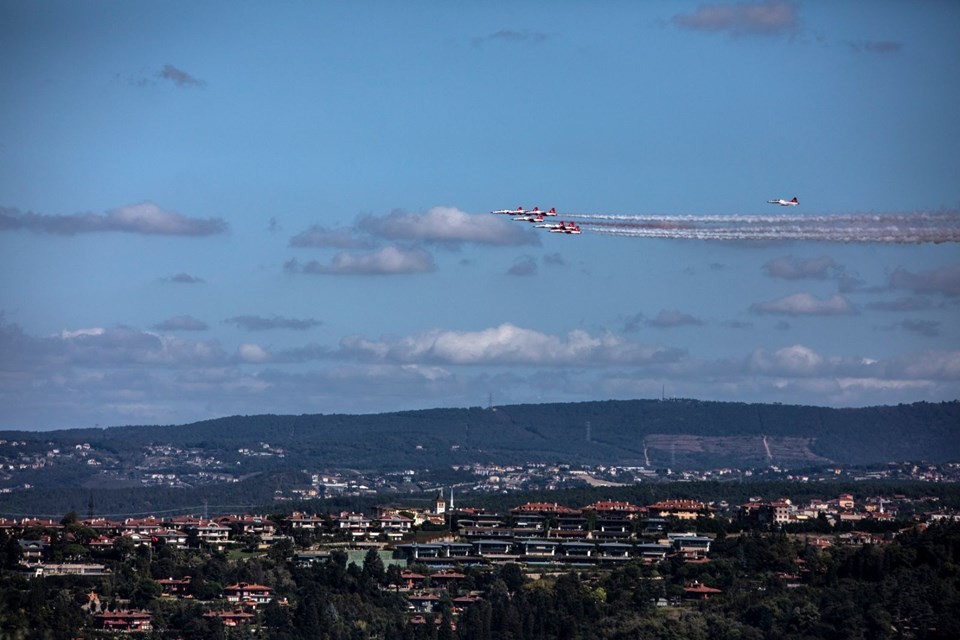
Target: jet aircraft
pixel 517 211
pixel 551 226
pixel 536 218
pixel 785 203
pixel 572 228
pixel 552 212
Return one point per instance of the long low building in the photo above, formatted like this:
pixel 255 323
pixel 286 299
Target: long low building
pixel 539 550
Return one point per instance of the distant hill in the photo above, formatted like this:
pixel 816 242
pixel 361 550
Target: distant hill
pixel 654 433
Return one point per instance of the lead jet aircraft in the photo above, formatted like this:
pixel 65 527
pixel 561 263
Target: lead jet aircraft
pixel 785 203
pixel 517 211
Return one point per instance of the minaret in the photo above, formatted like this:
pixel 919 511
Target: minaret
pixel 450 504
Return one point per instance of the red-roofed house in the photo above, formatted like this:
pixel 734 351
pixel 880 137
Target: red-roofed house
pixel 231 618
pixel 698 591
pixel 125 621
pixel 246 593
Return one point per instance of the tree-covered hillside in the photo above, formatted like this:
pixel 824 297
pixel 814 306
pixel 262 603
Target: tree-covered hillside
pixel 679 433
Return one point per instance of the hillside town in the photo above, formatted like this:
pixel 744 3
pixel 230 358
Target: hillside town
pixel 433 555
pixel 26 465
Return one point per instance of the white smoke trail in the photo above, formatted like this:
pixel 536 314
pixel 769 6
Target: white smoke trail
pixel 889 228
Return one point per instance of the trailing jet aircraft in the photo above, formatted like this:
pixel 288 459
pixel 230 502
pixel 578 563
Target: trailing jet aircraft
pixel 551 226
pixel 570 228
pixel 537 211
pixel 536 218
pixel 785 203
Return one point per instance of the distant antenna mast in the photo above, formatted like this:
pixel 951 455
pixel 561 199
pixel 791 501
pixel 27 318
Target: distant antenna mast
pixel 588 431
pixel 663 392
pixel 490 400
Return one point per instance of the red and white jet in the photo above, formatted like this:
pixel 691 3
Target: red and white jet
pixel 536 218
pixel 537 211
pixel 785 203
pixel 562 227
pixel 570 228
pixel 517 211
pixel 552 226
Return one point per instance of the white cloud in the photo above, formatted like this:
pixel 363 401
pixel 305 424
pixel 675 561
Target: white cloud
pixel 389 260
pixel 448 225
pixel 80 377
pixel 145 218
pixel 249 352
pixel 772 17
pixel 788 361
pixel 508 344
pixel 804 304
pixel 931 365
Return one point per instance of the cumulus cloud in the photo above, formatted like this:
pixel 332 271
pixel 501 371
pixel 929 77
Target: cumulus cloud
pixel 98 347
pixel 84 375
pixel 179 77
pixel 790 268
pixel 321 237
pixel 507 344
pixel 793 361
pixel 260 323
pixel 773 17
pixel 252 353
pixel 448 225
pixel 181 323
pixel 804 304
pixel 145 218
pixel 945 280
pixel 390 260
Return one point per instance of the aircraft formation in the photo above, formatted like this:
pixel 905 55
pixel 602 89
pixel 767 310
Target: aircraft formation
pixel 536 216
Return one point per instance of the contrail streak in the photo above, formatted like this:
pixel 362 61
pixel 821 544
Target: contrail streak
pixel 890 228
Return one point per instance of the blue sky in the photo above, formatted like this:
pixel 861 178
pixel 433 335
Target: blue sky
pixel 223 208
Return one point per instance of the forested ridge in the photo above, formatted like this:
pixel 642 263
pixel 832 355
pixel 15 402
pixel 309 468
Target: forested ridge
pixel 607 432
